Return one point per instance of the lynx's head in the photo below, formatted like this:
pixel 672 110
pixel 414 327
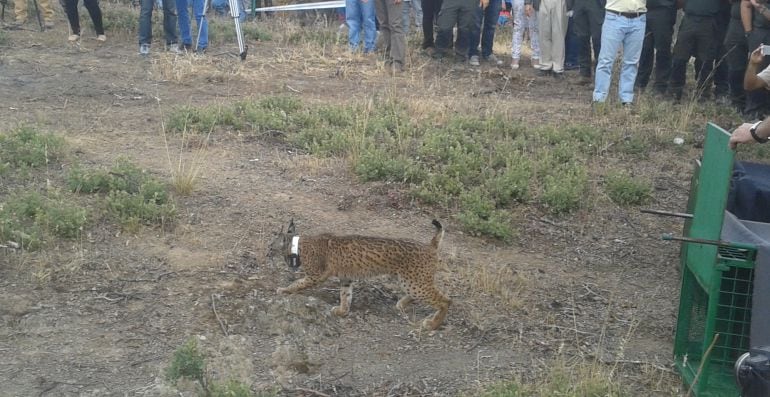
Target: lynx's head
pixel 285 246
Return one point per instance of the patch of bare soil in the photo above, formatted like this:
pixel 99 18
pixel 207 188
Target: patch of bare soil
pixel 102 315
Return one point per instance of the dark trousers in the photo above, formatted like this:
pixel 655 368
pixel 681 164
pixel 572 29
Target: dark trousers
pixel 656 49
pixel 571 45
pixel 757 100
pixel 696 37
pixel 588 16
pixel 169 21
pixel 484 24
pixel 430 9
pixel 721 85
pixel 736 56
pixel 71 8
pixel 460 12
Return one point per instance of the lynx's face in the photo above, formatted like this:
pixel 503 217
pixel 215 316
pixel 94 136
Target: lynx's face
pixel 280 248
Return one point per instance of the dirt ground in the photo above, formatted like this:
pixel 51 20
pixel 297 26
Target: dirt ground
pixel 102 316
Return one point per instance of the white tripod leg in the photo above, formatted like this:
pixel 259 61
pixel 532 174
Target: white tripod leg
pixel 201 23
pixel 235 11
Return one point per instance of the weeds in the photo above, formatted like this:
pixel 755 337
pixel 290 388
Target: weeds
pixel 562 380
pixel 188 362
pixel 26 147
pixel 27 218
pixel 626 190
pixel 132 196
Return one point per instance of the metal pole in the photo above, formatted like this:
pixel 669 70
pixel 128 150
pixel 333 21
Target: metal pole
pixel 667 213
pixel 37 12
pixel 235 11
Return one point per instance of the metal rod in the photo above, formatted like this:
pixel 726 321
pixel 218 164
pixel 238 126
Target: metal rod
pixel 667 213
pixel 719 243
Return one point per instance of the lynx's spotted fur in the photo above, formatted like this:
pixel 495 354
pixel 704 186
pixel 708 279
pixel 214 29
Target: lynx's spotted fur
pixel 350 257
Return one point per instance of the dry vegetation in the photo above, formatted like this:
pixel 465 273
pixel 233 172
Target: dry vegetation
pixel 137 196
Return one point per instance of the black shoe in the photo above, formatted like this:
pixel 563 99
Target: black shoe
pixel 544 73
pixel 571 66
pixel 186 47
pixel 558 75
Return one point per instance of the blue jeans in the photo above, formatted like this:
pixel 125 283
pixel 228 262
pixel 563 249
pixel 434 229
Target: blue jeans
pixel 488 17
pixel 145 21
pixel 360 13
pixel 222 7
pixel 184 23
pixel 408 6
pixel 619 31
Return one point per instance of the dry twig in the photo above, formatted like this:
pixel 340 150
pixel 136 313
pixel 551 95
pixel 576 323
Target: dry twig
pixel 214 308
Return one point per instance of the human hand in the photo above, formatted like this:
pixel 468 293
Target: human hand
pixel 528 10
pixel 756 57
pixel 570 13
pixel 483 4
pixel 741 135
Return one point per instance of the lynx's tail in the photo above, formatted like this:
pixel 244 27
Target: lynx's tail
pixel 438 236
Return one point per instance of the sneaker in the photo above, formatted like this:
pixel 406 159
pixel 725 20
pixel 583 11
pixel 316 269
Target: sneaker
pixel 144 49
pixel 48 24
pixel 73 38
pixel 538 66
pixel 200 51
pixel 544 72
pixel 474 61
pixel 493 59
pixel 174 47
pixel 101 38
pixel 186 47
pixel 536 63
pixel 515 64
pixel 558 75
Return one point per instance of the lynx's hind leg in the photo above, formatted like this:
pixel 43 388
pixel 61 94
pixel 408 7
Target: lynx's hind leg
pixel 346 297
pixel 421 287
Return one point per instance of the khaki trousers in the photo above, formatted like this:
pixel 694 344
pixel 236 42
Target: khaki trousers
pixel 20 9
pixel 552 23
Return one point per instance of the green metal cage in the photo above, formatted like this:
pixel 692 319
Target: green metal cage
pixel 715 300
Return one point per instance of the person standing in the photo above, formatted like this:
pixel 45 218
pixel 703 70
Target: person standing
pixel 485 22
pixel 656 50
pixel 697 35
pixel 588 16
pixel 358 14
pixel 523 21
pixel 624 24
pixel 410 5
pixel 430 10
pixel 392 37
pixel 71 9
pixel 20 9
pixel 169 25
pixel 736 48
pixel 462 14
pixel 552 25
pixel 184 25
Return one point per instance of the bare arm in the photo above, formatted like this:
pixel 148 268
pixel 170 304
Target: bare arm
pixel 742 134
pixel 746 13
pixel 750 80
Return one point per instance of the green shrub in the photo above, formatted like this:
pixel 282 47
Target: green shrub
pixel 188 362
pixel 27 217
pixel 564 190
pixel 26 147
pixel 626 190
pixel 231 388
pixel 377 165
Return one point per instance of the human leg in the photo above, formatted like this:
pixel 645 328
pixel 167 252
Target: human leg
pixel 145 21
pixel 71 9
pixel 353 19
pixel 488 26
pixel 202 23
pixel 183 18
pixel 612 38
pixel 96 15
pixel 632 48
pixel 169 22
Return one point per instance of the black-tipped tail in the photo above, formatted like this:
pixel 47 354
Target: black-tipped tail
pixel 439 234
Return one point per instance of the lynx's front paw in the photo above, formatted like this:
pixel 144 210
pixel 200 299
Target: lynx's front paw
pixel 429 324
pixel 282 291
pixel 339 312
